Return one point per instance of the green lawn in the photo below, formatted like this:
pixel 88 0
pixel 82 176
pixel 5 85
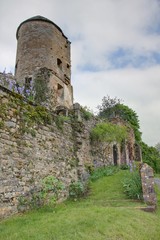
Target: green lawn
pixel 105 214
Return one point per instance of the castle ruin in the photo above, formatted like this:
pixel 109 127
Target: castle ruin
pixel 34 143
pixel 41 44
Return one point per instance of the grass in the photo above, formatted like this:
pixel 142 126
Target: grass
pixel 106 214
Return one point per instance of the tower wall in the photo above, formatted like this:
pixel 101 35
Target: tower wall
pixel 42 44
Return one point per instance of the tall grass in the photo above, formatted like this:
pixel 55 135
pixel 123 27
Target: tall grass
pixel 132 185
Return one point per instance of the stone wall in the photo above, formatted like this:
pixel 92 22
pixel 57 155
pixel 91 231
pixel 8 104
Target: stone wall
pixel 35 143
pixel 31 149
pixel 147 178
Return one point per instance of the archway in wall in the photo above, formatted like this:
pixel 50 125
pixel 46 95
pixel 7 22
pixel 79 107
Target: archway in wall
pixel 115 154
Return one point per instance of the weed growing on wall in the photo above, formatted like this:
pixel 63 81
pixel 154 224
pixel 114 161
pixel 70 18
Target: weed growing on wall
pixel 86 113
pixel 51 188
pixel 59 120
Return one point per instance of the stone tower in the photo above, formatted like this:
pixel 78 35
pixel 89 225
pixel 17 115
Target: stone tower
pixel 41 44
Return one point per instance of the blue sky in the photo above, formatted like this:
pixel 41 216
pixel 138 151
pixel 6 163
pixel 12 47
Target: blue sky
pixel 115 50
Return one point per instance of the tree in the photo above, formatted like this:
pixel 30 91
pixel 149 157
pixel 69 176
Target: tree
pixel 112 107
pixel 157 146
pixel 151 156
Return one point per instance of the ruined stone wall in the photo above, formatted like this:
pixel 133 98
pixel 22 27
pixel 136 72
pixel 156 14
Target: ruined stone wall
pixel 35 143
pixel 31 149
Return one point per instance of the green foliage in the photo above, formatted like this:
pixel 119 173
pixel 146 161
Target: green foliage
pixel 51 188
pixel 76 190
pixel 132 185
pixel 108 132
pixel 102 172
pixel 48 195
pixel 124 167
pixel 31 116
pixel 59 120
pixel 41 85
pixel 113 107
pixel 30 201
pixel 1 124
pixel 3 110
pixel 157 146
pixel 86 113
pixel 151 156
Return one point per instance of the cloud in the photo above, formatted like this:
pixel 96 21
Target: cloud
pixel 115 50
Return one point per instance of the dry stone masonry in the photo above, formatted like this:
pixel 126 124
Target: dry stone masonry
pixel 147 178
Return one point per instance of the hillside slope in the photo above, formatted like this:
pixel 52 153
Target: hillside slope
pixel 105 214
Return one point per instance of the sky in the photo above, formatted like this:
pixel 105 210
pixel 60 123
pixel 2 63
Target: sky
pixel 115 50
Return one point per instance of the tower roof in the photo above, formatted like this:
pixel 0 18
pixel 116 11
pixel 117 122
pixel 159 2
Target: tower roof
pixel 39 18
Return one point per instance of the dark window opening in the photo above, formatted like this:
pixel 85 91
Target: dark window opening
pixel 68 65
pixel 60 91
pixel 59 63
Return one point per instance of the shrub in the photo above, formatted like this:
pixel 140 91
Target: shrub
pixel 76 190
pixel 86 113
pixel 151 156
pixel 102 172
pixel 124 167
pixel 108 132
pixel 132 185
pixel 51 188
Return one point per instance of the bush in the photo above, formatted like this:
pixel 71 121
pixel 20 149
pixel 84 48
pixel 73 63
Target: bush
pixel 132 185
pixel 151 156
pixel 76 190
pixel 108 132
pixel 86 113
pixel 51 188
pixel 102 172
pixel 124 167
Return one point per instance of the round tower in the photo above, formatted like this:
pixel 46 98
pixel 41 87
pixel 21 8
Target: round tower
pixel 41 44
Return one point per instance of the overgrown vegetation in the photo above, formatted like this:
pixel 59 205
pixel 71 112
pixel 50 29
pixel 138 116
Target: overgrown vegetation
pixel 112 107
pixel 41 88
pixel 60 119
pixel 51 188
pixel 103 172
pixel 132 185
pixel 77 190
pixel 108 132
pixel 86 113
pixel 104 134
pixel 151 156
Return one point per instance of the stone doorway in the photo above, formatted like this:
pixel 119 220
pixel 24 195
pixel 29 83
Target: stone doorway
pixel 115 155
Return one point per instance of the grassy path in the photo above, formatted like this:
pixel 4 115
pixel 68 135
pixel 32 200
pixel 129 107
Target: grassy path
pixel 106 214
